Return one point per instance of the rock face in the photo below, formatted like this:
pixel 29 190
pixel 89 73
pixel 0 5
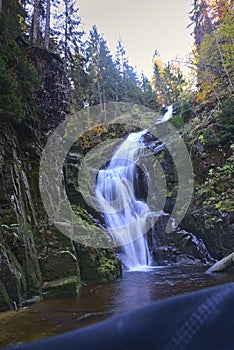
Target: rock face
pixel 204 234
pixel 36 260
pixel 214 227
pixel 177 247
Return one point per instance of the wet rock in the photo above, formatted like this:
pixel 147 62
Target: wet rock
pixel 98 265
pixel 62 287
pixel 215 228
pixel 178 246
pixel 189 245
pixel 58 265
pixel 33 253
pixel 5 301
pixel 54 99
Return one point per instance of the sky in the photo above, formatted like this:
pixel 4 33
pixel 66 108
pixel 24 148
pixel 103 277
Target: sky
pixel 143 26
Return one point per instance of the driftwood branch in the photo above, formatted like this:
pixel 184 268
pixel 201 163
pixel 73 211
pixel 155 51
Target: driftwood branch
pixel 223 264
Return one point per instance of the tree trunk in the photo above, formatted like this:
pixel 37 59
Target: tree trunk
pixel 47 25
pixel 66 36
pixel 223 264
pixel 35 22
pixel 0 5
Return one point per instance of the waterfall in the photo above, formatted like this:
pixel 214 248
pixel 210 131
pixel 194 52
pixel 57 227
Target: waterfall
pixel 125 214
pixel 168 115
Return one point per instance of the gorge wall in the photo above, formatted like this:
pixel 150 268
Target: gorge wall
pixel 36 260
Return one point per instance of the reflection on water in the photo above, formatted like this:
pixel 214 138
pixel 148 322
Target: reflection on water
pixel 98 302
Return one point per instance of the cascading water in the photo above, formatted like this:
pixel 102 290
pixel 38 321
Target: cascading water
pixel 126 215
pixel 168 115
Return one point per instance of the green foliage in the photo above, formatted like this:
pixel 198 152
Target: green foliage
pixel 10 103
pixel 67 30
pixel 177 121
pixel 220 129
pixel 168 81
pixel 214 57
pixel 226 121
pixel 209 138
pixel 186 104
pixel 18 78
pixel 218 187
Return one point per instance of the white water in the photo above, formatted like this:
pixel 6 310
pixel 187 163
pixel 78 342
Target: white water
pixel 168 115
pixel 125 215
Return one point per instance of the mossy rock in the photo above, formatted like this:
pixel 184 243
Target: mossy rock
pixel 5 302
pixel 98 265
pixel 69 286
pixel 59 265
pixel 214 227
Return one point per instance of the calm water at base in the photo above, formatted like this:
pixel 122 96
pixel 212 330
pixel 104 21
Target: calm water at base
pixel 98 302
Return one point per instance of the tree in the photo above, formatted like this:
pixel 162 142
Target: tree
pixel 148 94
pixel 201 21
pixel 130 90
pixel 17 76
pixel 67 30
pixel 36 15
pixel 79 82
pixel 215 58
pixel 47 24
pixel 102 73
pixel 0 5
pixel 167 81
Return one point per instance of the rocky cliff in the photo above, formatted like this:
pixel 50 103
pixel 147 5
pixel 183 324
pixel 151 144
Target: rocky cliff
pixel 36 260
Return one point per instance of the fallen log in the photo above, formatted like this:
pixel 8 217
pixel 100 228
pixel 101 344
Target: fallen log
pixel 223 264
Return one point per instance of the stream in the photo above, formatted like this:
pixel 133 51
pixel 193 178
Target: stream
pixel 99 301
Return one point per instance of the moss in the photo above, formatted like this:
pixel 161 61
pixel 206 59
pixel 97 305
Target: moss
pixel 177 121
pixel 98 265
pixel 62 287
pixel 226 206
pixel 5 302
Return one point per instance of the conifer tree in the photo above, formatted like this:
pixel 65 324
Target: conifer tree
pixel 148 94
pixel 101 70
pixel 17 76
pixel 68 31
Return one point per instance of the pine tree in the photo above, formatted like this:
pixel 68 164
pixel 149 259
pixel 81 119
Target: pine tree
pixel 148 98
pixel 79 82
pixel 102 72
pixel 68 32
pixel 130 86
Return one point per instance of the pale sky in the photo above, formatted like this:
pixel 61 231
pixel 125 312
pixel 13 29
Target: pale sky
pixel 143 25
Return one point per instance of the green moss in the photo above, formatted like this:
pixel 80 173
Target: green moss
pixel 110 267
pixel 225 206
pixel 63 287
pixel 84 214
pixel 5 302
pixel 177 121
pixel 98 265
